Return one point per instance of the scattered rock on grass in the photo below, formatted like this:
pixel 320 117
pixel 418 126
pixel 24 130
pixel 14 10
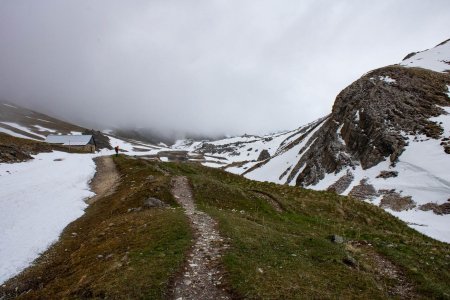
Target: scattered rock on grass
pixel 350 261
pixel 337 239
pixel 153 202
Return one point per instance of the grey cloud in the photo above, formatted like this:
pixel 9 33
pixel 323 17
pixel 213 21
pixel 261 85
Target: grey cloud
pixel 209 67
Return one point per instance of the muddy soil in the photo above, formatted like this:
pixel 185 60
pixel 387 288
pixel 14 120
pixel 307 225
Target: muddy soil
pixel 105 180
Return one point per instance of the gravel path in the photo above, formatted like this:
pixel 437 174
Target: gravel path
pixel 106 178
pixel 202 276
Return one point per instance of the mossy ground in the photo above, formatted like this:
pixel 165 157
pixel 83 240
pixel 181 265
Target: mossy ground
pixel 273 254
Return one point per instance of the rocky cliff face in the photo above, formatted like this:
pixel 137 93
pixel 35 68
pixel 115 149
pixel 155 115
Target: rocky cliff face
pixel 371 117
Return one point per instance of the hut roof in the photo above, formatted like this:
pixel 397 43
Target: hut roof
pixel 69 140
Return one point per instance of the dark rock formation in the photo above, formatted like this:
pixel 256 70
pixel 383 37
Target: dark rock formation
pixel 13 154
pixel 212 149
pixel 387 174
pixel 363 191
pixel 443 209
pixel 263 155
pixel 369 119
pixel 14 149
pixel 396 202
pixel 341 184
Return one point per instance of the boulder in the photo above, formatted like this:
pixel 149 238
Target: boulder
pixel 153 202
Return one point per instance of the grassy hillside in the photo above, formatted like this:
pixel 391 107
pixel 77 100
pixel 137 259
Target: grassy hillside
pixel 290 255
pixel 280 243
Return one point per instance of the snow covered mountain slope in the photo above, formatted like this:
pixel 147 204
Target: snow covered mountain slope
pixel 386 141
pixel 435 59
pixel 25 123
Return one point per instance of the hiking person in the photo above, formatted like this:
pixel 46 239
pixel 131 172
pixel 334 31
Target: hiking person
pixel 117 150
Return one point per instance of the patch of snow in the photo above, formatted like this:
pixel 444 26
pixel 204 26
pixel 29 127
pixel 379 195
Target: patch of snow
pixel 38 199
pixel 357 116
pixel 76 133
pixel 339 134
pixel 426 222
pixel 41 128
pixel 448 89
pixel 13 133
pixel 128 147
pixel 23 128
pixel 387 79
pixel 187 145
pixel 43 120
pixel 122 144
pixel 107 131
pixel 212 164
pixel 435 59
pixel 272 170
pixel 328 180
pixel 238 139
pixel 9 105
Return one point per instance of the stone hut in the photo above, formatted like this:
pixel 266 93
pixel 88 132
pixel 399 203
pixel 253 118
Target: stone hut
pixel 84 143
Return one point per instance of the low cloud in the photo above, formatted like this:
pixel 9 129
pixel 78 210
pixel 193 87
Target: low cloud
pixel 205 67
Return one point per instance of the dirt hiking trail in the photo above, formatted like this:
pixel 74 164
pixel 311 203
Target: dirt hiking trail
pixel 202 275
pixel 105 180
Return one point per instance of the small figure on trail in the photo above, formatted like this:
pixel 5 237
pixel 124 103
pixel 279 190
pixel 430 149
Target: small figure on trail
pixel 117 150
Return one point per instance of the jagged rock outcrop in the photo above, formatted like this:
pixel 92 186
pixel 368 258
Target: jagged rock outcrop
pixel 369 118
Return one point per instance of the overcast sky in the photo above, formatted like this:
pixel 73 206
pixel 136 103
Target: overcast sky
pixel 210 67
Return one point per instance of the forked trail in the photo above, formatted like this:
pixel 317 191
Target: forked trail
pixel 202 276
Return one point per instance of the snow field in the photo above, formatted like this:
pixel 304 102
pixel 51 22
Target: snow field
pixel 41 128
pixel 272 170
pixel 38 198
pixel 432 59
pixel 13 133
pixel 23 128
